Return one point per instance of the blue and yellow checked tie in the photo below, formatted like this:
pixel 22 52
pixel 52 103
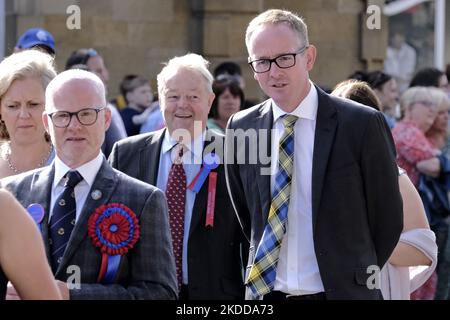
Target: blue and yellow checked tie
pixel 263 272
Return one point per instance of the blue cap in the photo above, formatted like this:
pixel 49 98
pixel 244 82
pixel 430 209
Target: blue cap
pixel 34 37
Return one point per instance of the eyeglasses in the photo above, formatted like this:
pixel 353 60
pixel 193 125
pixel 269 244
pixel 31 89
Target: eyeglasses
pixel 86 117
pixel 425 103
pixel 283 61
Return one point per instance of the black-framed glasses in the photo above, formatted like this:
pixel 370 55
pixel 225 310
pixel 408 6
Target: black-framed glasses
pixel 283 61
pixel 86 117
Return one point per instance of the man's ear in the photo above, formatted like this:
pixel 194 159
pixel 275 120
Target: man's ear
pixel 210 100
pixel 108 117
pixel 311 54
pixel 45 121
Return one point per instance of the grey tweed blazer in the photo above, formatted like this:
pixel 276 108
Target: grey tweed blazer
pixel 147 271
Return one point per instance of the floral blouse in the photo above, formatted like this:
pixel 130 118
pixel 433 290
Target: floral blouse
pixel 412 147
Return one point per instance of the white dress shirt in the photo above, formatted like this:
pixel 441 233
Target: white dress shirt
pixel 192 160
pixel 297 269
pixel 88 171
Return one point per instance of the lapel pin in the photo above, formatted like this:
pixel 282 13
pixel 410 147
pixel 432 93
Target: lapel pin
pixel 36 211
pixel 96 194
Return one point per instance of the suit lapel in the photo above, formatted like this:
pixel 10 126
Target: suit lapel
pixel 105 182
pixel 325 130
pixel 149 158
pixel 264 122
pixel 42 190
pixel 201 198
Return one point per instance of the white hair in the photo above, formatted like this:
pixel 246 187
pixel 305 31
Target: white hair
pixel 70 75
pixel 190 61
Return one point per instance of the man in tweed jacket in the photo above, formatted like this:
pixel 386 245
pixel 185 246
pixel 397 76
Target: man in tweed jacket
pixel 147 270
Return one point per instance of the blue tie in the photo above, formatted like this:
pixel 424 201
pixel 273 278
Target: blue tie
pixel 63 218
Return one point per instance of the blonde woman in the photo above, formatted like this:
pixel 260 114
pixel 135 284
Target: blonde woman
pixel 437 134
pixel 24 143
pixel 414 258
pixel 415 153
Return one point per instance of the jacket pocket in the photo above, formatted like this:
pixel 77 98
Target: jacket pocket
pixel 232 288
pixel 361 276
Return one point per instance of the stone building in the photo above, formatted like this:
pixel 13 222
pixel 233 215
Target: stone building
pixel 136 36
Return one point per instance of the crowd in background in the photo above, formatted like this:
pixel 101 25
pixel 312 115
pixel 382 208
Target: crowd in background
pixel 417 114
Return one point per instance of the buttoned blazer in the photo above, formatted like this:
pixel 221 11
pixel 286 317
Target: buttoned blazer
pixel 356 204
pixel 147 271
pixel 215 266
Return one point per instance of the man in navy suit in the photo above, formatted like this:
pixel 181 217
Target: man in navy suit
pixel 103 210
pixel 332 208
pixel 208 242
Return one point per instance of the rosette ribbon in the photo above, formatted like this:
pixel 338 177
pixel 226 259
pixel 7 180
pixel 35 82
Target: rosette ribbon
pixel 114 229
pixel 210 162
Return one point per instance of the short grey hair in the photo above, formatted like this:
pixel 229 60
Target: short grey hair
pixel 277 16
pixel 190 61
pixel 414 95
pixel 440 98
pixel 74 74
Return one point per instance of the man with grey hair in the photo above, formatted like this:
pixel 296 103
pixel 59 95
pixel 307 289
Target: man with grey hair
pixel 184 160
pixel 331 210
pixel 106 234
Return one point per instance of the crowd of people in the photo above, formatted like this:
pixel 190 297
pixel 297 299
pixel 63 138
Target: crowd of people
pixel 158 195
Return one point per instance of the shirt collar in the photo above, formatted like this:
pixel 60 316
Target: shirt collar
pixel 307 109
pixel 194 148
pixel 88 170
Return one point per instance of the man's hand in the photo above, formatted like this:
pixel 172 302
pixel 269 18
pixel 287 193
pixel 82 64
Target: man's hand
pixel 63 289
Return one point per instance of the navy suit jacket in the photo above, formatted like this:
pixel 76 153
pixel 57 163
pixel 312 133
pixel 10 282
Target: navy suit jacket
pixel 215 253
pixel 356 204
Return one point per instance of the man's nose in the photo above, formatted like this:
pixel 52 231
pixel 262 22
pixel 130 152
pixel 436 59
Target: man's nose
pixel 184 101
pixel 275 70
pixel 74 123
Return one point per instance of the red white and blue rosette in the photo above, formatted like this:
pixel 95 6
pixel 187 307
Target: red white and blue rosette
pixel 114 229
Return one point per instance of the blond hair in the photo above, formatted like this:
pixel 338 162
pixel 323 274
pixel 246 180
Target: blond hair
pixel 277 16
pixel 358 91
pixel 441 99
pixel 414 95
pixel 21 65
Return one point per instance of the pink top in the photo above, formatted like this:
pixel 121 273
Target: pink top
pixel 412 147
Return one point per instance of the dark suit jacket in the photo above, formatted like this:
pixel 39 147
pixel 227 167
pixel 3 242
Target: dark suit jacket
pixel 147 271
pixel 356 204
pixel 214 258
